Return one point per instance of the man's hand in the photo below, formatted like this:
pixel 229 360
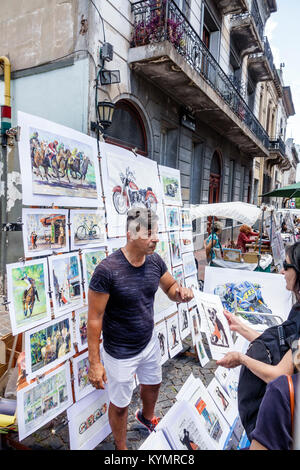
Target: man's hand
pixel 97 375
pixel 184 294
pixel 231 359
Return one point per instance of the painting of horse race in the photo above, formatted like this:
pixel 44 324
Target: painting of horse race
pixel 45 231
pixel 59 165
pixel 27 292
pixel 48 345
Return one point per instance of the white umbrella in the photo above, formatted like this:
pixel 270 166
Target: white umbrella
pixel 240 211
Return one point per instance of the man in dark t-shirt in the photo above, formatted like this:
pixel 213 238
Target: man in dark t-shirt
pixel 121 297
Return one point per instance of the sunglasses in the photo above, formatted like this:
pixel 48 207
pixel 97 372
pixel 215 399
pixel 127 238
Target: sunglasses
pixel 286 265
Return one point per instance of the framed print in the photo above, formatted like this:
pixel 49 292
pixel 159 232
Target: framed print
pixel 185 219
pixel 175 251
pixel 82 385
pixel 184 320
pixel 186 241
pixel 172 218
pixel 218 332
pixel 42 401
pixel 114 244
pixel 171 188
pixel 226 405
pixel 28 294
pixel 88 421
pixel 88 228
pixel 162 335
pixel 128 181
pixel 174 340
pixel 45 231
pixel 66 283
pixel 178 275
pixel 189 265
pixel 90 260
pixel 162 248
pixel 48 345
pixel 81 318
pixel 58 164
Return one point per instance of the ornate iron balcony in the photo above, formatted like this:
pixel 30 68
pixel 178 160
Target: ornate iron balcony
pixel 255 15
pixel 277 144
pixel 161 20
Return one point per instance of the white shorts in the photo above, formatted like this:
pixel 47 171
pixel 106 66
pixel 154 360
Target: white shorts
pixel 120 372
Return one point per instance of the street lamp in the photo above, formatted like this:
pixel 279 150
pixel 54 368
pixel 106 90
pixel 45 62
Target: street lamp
pixel 105 111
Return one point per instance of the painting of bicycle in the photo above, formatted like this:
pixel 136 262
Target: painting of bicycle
pixel 87 228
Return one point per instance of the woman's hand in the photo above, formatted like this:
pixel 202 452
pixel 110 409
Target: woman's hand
pixel 234 323
pixel 231 360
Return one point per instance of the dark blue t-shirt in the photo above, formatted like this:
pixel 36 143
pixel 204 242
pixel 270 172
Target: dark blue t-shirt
pixel 274 425
pixel 128 319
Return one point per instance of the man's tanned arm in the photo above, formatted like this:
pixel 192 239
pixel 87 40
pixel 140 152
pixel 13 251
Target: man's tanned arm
pixel 173 290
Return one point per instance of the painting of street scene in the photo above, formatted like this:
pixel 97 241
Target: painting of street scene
pixel 48 346
pixel 27 285
pixel 87 228
pixel 44 231
pixel 60 165
pixel 66 282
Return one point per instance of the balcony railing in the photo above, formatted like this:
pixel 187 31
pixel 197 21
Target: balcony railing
pixel 268 52
pixel 277 144
pixel 255 15
pixel 156 21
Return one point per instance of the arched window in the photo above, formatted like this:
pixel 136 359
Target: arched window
pixel 215 178
pixel 127 129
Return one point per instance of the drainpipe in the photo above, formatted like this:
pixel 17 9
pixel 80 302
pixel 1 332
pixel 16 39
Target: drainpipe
pixel 5 125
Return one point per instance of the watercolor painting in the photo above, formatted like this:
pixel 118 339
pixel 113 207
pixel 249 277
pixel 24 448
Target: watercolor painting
pixel 90 260
pixel 87 228
pixel 170 180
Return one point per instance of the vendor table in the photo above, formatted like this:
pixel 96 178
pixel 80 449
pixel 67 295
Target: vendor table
pixel 264 265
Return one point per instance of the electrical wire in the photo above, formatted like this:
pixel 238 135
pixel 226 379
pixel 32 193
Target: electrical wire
pixel 101 20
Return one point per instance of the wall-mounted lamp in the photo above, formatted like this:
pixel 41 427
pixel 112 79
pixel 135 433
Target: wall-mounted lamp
pixel 105 111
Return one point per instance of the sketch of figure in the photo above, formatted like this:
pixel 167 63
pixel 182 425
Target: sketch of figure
pixel 161 339
pixel 186 441
pixel 173 331
pixel 185 322
pixel 218 335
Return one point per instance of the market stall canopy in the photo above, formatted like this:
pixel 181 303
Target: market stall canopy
pixel 293 190
pixel 240 211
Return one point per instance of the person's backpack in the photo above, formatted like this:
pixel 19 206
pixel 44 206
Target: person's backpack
pixel 269 347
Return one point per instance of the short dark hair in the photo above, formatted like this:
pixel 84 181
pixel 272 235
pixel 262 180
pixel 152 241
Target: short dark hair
pixel 138 217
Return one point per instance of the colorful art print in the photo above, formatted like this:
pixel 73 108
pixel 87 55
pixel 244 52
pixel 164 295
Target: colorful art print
pixel 171 188
pixel 114 244
pixel 162 336
pixel 256 292
pixel 178 275
pixel 58 164
pixel 197 395
pixel 81 318
pixel 45 231
pixel 82 385
pixel 162 248
pixel 88 421
pixel 184 320
pixel 66 283
pixel 175 251
pixel 172 218
pixel 88 228
pixel 174 340
pixel 192 282
pixel 184 428
pixel 163 306
pixel 27 291
pixel 90 260
pixel 186 241
pixel 201 353
pixel 48 346
pixel 185 219
pixel 128 181
pixel 43 400
pixel 226 405
pixel 189 265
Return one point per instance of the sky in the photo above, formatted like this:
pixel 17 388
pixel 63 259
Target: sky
pixel 283 31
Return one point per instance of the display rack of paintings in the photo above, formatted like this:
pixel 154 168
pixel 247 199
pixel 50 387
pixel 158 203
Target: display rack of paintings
pixel 87 228
pixel 88 421
pixel 184 320
pixel 174 340
pixel 58 165
pixel 162 335
pixel 81 317
pixel 185 219
pixel 226 405
pixel 175 251
pixel 172 218
pixel 171 188
pixel 45 231
pixel 28 294
pixel 90 260
pixel 48 345
pixel 66 282
pixel 43 400
pixel 128 181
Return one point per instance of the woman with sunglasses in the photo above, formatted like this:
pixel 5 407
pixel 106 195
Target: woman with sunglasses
pixel 291 327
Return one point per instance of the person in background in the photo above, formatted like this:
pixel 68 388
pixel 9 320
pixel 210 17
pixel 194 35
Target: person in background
pixel 283 227
pixel 213 243
pixel 245 236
